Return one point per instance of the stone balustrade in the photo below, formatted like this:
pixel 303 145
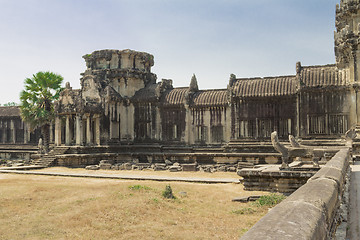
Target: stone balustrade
pixel 311 212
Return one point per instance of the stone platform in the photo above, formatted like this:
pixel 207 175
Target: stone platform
pixel 271 178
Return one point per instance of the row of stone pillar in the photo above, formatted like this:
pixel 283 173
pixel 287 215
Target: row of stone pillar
pixel 12 138
pixel 76 135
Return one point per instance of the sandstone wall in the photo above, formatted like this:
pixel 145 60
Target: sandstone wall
pixel 310 212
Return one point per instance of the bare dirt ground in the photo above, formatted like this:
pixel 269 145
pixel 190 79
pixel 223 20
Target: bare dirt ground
pixel 143 173
pixel 46 207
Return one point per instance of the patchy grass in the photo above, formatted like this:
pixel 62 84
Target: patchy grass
pixel 261 205
pixel 270 200
pixel 244 211
pixel 139 187
pixel 43 207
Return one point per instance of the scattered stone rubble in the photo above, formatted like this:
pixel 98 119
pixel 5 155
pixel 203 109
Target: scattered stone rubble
pixel 167 166
pixel 14 163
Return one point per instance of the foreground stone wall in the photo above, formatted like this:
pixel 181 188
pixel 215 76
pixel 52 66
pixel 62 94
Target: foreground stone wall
pixel 311 211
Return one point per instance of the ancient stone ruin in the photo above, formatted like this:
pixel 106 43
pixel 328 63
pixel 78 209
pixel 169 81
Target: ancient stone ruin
pixel 122 113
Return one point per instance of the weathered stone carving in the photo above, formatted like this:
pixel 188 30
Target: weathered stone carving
pixel 41 149
pixel 298 151
pixel 293 141
pixel 350 134
pixel 281 149
pixel 193 88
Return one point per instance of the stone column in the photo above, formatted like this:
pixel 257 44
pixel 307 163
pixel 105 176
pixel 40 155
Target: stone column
pixel 227 123
pixel 123 123
pixel 237 130
pixel 67 131
pixel 297 117
pixel 97 130
pixel 79 131
pixel 188 132
pixel 25 133
pixel 5 128
pixel 51 132
pixel 257 128
pixel 57 131
pixel 131 121
pixel 357 107
pixel 88 130
pixel 111 129
pixel 13 131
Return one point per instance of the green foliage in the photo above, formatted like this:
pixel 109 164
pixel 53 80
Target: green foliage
pixel 244 211
pixel 37 98
pixel 139 187
pixel 168 193
pixel 10 104
pixel 270 200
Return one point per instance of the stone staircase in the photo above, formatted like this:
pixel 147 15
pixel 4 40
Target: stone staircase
pixel 50 159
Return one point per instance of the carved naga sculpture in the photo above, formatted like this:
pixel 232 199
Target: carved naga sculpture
pixel 296 150
pixel 281 149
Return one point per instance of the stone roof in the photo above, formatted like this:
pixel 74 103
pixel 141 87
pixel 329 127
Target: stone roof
pixel 265 87
pixel 13 111
pixel 149 93
pixel 321 76
pixel 210 97
pixel 175 96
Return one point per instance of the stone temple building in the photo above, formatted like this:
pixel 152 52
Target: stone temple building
pixel 121 102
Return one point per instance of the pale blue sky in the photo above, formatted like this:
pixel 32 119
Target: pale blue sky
pixel 211 38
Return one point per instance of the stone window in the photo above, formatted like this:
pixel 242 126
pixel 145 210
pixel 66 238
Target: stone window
pixel 265 128
pixel 338 124
pixel 247 129
pixel 143 117
pixel 201 134
pixel 243 129
pixel 317 124
pixel 284 128
pixel 217 133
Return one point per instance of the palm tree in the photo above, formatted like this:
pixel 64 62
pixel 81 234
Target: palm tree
pixel 37 102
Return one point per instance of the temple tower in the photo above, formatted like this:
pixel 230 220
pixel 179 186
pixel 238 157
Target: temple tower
pixel 125 71
pixel 347 44
pixel 110 81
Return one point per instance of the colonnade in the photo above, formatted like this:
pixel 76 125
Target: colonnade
pixel 14 131
pixel 76 129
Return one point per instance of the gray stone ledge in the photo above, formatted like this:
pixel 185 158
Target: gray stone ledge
pixel 310 211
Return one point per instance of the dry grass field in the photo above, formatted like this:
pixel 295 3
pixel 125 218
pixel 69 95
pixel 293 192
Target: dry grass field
pixel 44 207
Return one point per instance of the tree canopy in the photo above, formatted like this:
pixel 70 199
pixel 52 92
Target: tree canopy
pixel 37 102
pixel 37 98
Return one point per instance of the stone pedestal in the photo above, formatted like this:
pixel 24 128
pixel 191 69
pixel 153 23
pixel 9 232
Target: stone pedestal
pixel 271 178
